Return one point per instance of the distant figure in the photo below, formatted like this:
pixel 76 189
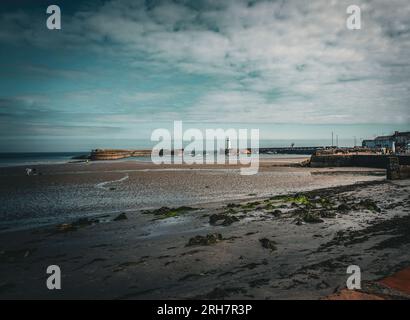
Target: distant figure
pixel 28 171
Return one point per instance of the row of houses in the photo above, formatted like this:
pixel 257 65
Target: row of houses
pixel 397 141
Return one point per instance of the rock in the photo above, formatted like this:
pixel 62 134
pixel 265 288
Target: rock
pixel 268 244
pixel 223 219
pixel 343 207
pixel 214 218
pixel 165 212
pixel 121 216
pixel 207 240
pixel 311 218
pixel 369 205
pixel 276 212
pixel 229 220
pixel 160 211
pixel 299 221
pixel 327 214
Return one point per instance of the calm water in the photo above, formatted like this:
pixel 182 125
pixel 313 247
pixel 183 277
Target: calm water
pixel 32 158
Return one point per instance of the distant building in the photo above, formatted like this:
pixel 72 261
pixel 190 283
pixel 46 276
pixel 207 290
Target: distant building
pixel 398 141
pixel 368 144
pixel 402 139
pixel 384 142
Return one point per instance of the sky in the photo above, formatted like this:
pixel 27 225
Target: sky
pixel 118 69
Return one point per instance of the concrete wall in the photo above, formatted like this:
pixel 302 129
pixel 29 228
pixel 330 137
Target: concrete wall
pixel 404 160
pixel 353 160
pixel 371 161
pixel 397 167
pixel 323 161
pixel 404 172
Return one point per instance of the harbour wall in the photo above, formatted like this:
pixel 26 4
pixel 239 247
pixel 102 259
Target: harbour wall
pixel 356 160
pixel 397 166
pixel 114 154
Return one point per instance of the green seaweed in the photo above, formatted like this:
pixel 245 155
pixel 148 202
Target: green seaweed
pixel 370 205
pixel 310 217
pixel 165 212
pixel 250 205
pixel 297 199
pixel 207 240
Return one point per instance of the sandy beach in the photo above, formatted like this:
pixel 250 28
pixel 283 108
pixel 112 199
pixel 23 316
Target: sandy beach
pixel 67 191
pixel 127 230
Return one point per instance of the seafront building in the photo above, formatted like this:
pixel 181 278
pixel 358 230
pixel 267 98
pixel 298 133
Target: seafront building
pixel 398 141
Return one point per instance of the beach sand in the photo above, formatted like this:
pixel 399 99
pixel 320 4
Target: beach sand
pixel 259 245
pixel 69 191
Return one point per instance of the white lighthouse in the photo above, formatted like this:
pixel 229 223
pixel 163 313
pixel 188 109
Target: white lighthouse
pixel 227 145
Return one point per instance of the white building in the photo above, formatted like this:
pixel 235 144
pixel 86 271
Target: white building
pixel 399 141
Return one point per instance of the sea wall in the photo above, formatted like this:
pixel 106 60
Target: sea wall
pixel 397 167
pixel 113 154
pixel 404 172
pixel 395 170
pixel 355 160
pixel 370 161
pixel 323 161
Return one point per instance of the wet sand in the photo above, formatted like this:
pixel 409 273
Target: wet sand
pixel 254 244
pixel 68 191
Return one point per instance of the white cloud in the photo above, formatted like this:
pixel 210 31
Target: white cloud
pixel 291 61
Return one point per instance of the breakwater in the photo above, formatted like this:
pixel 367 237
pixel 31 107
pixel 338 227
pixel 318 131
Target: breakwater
pixel 115 154
pixel 292 150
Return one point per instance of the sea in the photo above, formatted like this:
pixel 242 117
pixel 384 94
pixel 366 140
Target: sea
pixel 34 158
pixel 8 159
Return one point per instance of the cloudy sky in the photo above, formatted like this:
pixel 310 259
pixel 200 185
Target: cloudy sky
pixel 119 69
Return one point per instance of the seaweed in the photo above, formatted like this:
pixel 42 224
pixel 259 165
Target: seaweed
pixel 165 212
pixel 268 244
pixel 310 217
pixel 224 219
pixel 370 205
pixel 207 240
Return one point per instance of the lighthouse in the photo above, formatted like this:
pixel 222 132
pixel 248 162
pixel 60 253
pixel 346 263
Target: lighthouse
pixel 227 145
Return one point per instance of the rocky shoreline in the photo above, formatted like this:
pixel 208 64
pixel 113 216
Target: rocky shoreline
pixel 294 246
